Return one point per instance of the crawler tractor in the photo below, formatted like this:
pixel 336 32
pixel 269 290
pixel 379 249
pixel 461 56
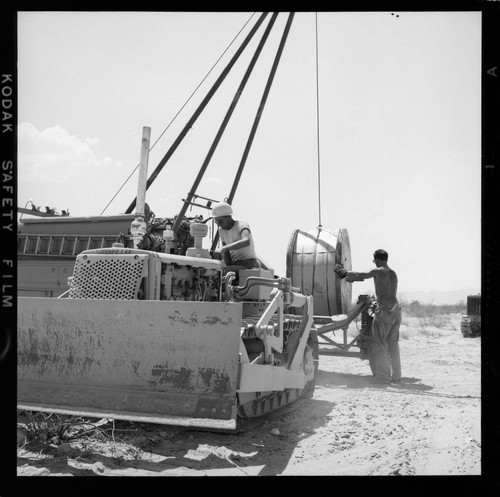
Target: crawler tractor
pixel 166 338
pixel 471 321
pixel 164 335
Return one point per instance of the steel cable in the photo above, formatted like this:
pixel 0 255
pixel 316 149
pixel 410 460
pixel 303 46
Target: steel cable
pixel 317 124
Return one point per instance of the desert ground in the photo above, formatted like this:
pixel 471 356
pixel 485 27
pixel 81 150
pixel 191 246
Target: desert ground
pixel 430 424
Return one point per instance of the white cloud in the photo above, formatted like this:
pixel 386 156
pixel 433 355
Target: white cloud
pixel 54 155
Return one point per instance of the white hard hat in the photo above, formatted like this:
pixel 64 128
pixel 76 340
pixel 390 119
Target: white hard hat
pixel 222 209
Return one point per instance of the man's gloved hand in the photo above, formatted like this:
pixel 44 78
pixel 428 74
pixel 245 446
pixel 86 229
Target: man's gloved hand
pixel 339 269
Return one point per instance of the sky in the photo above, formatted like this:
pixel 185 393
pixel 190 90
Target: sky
pixel 372 125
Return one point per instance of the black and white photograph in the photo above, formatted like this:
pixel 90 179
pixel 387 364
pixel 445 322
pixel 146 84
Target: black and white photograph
pixel 248 243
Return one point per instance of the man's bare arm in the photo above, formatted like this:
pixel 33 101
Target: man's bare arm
pixel 359 276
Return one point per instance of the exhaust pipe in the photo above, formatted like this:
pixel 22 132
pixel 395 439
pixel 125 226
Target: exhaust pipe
pixel 138 227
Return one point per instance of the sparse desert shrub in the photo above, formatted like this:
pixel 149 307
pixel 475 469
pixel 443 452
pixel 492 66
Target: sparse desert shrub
pixel 416 309
pixel 440 325
pixel 424 319
pixel 43 428
pixel 404 333
pixel 436 321
pixel 430 330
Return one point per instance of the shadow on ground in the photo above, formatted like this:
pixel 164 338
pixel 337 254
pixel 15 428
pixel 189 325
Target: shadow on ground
pixel 253 446
pixel 330 379
pixel 264 446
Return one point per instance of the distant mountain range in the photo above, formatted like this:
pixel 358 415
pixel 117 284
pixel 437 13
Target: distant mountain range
pixel 438 297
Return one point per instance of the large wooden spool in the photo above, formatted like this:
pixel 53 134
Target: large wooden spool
pixel 310 262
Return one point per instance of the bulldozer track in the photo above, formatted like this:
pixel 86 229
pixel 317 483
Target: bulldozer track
pixel 248 424
pixel 268 403
pixel 262 405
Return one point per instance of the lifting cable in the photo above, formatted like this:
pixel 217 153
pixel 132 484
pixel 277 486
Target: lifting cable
pixel 317 126
pixel 180 110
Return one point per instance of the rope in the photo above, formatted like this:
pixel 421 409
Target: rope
pixel 317 124
pixel 180 110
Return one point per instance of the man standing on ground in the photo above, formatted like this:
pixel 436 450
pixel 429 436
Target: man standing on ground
pixel 237 251
pixel 384 356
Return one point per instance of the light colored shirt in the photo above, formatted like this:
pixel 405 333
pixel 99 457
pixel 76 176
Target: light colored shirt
pixel 233 235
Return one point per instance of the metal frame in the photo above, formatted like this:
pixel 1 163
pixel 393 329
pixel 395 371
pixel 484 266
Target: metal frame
pixel 328 324
pixel 266 332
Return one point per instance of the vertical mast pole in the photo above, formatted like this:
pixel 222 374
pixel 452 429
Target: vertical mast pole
pixel 138 226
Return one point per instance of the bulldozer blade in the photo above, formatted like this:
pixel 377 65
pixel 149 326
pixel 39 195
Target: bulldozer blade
pixel 169 362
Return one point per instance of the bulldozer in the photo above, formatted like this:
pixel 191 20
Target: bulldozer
pixel 163 335
pixel 164 338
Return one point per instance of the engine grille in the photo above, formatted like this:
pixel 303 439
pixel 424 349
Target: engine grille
pixel 115 277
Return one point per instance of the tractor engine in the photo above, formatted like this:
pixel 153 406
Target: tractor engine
pixel 120 273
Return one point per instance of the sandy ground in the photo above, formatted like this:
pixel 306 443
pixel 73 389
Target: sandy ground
pixel 429 425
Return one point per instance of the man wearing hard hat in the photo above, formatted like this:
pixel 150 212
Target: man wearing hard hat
pixel 238 250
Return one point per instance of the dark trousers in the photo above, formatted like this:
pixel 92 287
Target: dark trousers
pixel 236 266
